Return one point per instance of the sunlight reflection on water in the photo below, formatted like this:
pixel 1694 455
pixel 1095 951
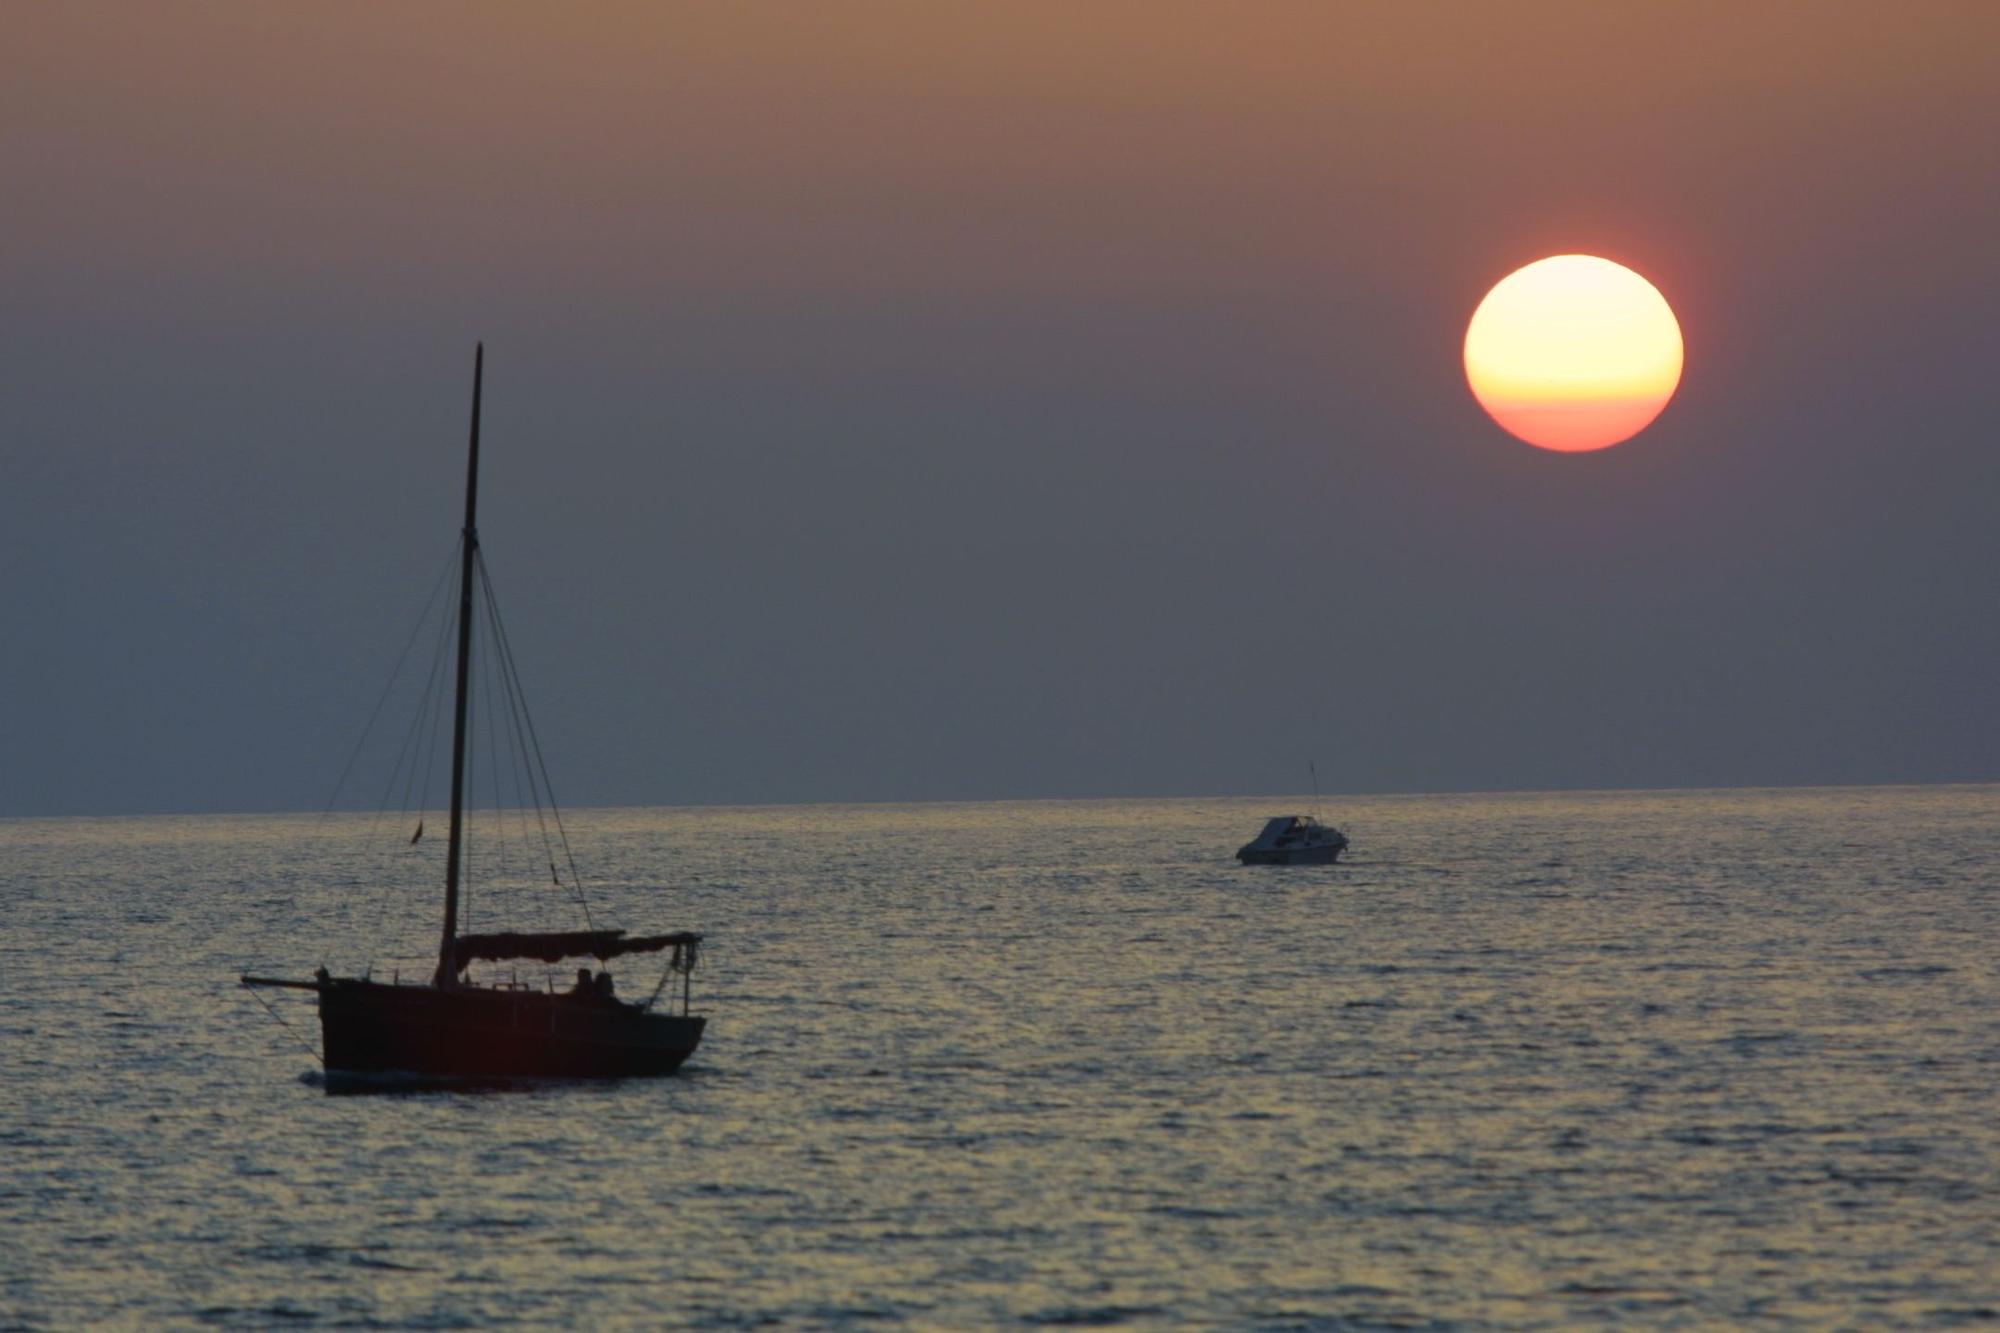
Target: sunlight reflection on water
pixel 1656 1058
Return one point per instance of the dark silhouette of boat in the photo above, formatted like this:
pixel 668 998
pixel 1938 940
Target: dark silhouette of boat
pixel 451 1027
pixel 1293 840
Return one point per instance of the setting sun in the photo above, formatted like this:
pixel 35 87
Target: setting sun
pixel 1573 353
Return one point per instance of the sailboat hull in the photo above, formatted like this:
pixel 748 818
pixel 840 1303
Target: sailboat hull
pixel 469 1032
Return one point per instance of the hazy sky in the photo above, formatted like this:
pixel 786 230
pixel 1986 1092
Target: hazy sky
pixel 952 401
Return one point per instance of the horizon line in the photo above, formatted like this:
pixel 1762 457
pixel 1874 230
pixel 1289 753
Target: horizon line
pixel 1324 797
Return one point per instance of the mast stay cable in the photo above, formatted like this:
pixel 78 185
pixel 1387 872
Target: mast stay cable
pixel 395 673
pixel 514 707
pixel 506 653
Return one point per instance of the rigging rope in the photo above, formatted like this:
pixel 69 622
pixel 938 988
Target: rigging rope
pixel 512 672
pixel 646 1005
pixel 394 674
pixel 429 710
pixel 514 706
pixel 412 742
pixel 515 769
pixel 287 1027
pixel 421 742
pixel 437 711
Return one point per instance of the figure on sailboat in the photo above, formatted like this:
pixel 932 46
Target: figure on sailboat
pixel 452 1026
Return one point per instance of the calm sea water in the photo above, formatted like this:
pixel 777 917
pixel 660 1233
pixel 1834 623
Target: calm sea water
pixel 1661 1059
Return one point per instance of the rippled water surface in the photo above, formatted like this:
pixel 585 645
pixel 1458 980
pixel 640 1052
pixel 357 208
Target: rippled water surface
pixel 1667 1059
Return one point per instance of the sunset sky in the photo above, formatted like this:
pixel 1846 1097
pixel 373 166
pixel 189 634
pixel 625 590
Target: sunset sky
pixel 915 401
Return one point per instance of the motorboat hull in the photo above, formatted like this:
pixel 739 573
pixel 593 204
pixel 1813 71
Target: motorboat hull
pixel 472 1032
pixel 1324 855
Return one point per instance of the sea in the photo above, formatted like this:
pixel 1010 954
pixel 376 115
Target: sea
pixel 1686 1059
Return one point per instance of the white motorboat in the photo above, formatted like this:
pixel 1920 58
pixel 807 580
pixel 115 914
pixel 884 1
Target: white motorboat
pixel 1293 840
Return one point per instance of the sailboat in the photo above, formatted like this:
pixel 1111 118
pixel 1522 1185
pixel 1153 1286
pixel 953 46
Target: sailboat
pixel 454 1027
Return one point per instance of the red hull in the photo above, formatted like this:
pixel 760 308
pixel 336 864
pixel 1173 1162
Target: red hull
pixel 467 1032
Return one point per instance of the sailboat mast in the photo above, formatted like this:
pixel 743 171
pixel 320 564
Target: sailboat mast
pixel 447 974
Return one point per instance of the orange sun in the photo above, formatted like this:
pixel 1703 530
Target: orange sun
pixel 1573 353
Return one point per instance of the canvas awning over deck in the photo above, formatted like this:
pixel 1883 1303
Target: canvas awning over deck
pixel 554 946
